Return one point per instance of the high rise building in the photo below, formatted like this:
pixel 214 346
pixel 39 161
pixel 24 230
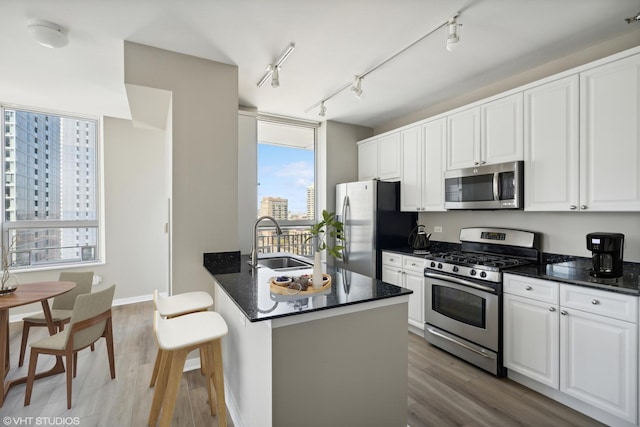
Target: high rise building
pixel 311 201
pixel 50 175
pixel 276 207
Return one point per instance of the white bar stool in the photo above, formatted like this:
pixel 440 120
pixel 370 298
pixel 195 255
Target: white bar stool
pixel 178 305
pixel 177 337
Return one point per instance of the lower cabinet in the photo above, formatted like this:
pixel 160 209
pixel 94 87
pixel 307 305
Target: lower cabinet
pixel 408 272
pixel 578 340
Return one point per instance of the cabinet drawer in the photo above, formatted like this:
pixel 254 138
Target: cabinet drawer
pixel 389 258
pixel 610 304
pixel 541 290
pixel 413 264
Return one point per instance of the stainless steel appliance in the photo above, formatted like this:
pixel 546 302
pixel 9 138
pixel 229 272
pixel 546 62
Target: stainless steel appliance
pixel 607 253
pixel 464 293
pixel 497 186
pixel 370 212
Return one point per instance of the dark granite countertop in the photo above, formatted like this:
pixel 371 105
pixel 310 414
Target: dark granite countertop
pixel 250 291
pixel 560 268
pixel 575 271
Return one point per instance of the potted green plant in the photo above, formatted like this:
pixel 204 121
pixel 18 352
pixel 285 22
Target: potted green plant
pixel 328 227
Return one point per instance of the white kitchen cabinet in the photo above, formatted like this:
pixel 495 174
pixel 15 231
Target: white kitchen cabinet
pixel 598 353
pixel 582 142
pixel 531 329
pixel 407 272
pixel 551 141
pixel 379 158
pixel 610 136
pixel 578 340
pixel 422 153
pixel 487 134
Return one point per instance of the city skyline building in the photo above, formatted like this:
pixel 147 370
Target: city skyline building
pixel 311 201
pixel 277 207
pixel 50 174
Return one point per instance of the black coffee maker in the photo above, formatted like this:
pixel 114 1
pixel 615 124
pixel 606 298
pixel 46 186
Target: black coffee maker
pixel 606 250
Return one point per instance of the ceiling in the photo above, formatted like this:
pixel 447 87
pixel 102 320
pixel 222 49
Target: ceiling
pixel 334 39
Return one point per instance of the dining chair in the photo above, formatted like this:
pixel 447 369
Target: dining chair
pixel 90 321
pixel 61 308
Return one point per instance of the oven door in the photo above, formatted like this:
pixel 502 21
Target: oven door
pixel 463 308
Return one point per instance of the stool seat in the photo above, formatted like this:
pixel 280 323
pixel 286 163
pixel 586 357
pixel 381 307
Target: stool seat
pixel 176 337
pixel 191 330
pixel 176 305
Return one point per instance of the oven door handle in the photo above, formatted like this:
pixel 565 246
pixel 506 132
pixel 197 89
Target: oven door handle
pixel 463 345
pixel 459 281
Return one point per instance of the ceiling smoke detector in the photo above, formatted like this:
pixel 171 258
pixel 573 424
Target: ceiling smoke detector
pixel 47 33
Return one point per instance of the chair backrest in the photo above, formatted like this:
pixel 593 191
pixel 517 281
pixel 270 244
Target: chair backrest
pixel 89 306
pixel 83 283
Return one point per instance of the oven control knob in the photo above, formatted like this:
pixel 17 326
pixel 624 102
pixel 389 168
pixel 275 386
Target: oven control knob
pixel 433 264
pixel 439 265
pixel 472 272
pixel 483 274
pixel 455 269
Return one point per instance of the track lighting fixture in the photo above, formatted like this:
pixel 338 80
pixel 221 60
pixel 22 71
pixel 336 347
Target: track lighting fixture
pixel 453 39
pixel 273 70
pixel 275 77
pixel 356 88
pixel 323 109
pixel 633 19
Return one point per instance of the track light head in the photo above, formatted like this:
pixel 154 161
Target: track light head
pixel 453 39
pixel 323 109
pixel 275 77
pixel 633 19
pixel 356 88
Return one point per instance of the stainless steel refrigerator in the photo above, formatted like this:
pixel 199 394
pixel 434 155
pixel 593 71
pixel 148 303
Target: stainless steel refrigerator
pixel 370 212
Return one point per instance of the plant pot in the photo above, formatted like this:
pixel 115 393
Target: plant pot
pixel 316 278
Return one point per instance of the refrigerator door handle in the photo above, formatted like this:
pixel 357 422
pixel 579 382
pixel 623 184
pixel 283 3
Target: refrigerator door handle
pixel 345 212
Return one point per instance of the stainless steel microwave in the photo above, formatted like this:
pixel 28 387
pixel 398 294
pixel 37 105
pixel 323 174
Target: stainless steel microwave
pixel 498 186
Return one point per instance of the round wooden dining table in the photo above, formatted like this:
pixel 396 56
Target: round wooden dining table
pixel 27 293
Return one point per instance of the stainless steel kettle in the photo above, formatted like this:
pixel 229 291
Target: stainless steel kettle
pixel 418 238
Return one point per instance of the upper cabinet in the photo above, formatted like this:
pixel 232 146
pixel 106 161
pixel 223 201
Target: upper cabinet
pixel 551 146
pixel 422 160
pixel 610 136
pixel 582 141
pixel 487 134
pixel 380 158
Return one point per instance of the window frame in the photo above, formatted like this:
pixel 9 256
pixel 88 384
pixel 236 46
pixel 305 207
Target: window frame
pixel 7 226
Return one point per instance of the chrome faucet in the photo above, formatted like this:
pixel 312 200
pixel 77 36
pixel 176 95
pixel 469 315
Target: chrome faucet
pixel 254 247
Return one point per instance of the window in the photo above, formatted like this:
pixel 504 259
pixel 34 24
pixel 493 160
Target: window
pixel 56 236
pixel 286 185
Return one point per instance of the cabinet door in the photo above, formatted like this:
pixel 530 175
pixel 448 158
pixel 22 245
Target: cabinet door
pixel 531 343
pixel 599 363
pixel 368 160
pixel 610 136
pixel 411 170
pixel 551 146
pixel 502 131
pixel 392 274
pixel 463 132
pixel 389 157
pixel 415 282
pixel 433 148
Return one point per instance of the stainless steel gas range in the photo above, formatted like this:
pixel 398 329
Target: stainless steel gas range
pixel 464 292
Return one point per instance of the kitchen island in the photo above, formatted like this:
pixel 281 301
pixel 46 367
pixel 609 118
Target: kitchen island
pixel 338 357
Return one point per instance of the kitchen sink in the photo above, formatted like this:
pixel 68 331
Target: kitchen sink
pixel 281 263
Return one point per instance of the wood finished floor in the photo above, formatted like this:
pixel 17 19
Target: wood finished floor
pixel 443 390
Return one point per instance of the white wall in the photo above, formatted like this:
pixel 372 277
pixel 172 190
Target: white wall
pixel 204 155
pixel 135 199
